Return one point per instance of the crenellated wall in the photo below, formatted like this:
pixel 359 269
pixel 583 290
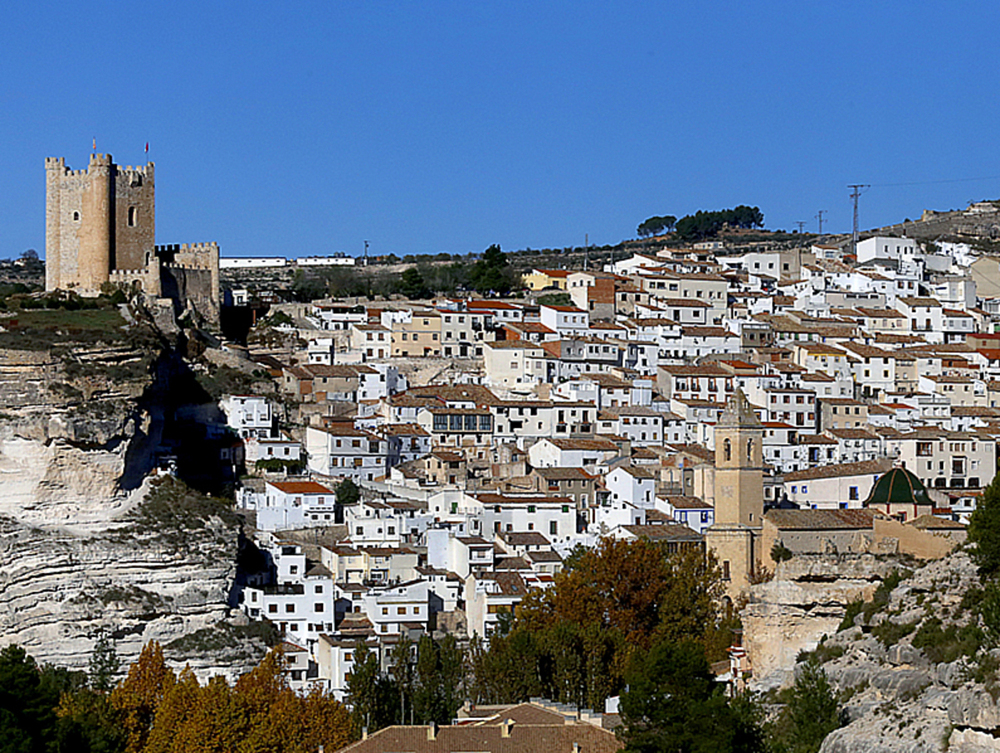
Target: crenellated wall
pixel 100 226
pixel 96 221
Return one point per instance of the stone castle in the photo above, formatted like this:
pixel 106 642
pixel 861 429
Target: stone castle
pixel 100 228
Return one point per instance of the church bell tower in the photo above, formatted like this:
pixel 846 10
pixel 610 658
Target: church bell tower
pixel 739 493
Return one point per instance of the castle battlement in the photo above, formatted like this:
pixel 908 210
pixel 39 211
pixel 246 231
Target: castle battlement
pixel 100 228
pixel 143 170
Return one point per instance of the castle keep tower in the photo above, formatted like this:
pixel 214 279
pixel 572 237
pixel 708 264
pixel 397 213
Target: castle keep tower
pixel 739 493
pixel 97 221
pixel 100 226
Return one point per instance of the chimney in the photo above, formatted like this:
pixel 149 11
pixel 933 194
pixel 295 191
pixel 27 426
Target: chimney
pixel 432 731
pixel 505 727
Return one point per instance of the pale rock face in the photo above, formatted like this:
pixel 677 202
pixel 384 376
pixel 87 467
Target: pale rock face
pixel 58 591
pixel 57 483
pixel 806 600
pixel 896 699
pixel 73 560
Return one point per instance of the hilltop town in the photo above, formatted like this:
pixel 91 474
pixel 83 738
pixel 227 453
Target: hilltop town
pixel 422 465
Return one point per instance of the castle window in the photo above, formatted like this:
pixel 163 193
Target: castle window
pixel 131 216
pixel 76 216
pixel 727 449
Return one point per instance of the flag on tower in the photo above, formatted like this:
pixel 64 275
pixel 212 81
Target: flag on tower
pixel 95 143
pixel 147 147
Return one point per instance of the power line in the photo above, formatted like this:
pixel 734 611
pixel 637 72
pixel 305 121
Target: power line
pixel 935 182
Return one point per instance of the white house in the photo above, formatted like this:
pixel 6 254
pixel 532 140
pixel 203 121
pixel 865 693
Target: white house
pixel 295 504
pixel 249 415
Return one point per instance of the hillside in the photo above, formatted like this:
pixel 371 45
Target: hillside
pixel 914 667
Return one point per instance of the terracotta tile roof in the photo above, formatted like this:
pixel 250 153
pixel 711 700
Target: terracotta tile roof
pixel 665 532
pixel 524 538
pixel 867 467
pixel 810 520
pixel 688 503
pixel 300 487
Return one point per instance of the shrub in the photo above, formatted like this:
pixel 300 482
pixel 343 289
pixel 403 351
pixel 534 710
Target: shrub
pixel 891 633
pixel 780 552
pixel 947 644
pixel 853 610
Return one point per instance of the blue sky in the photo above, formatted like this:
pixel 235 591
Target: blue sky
pixel 299 128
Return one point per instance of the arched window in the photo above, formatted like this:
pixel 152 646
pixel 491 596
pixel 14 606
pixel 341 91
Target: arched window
pixel 727 450
pixel 749 450
pixel 76 216
pixel 131 216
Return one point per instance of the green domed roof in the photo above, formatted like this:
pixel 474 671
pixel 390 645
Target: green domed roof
pixel 898 486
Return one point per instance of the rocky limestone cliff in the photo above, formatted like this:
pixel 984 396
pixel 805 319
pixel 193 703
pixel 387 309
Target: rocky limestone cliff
pixel 80 550
pixel 806 599
pixel 72 431
pixel 913 669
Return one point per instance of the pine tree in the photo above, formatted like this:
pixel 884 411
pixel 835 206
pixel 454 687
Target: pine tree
pixel 984 530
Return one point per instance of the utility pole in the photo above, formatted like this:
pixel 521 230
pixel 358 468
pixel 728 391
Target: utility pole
pixel 800 224
pixel 366 254
pixel 586 250
pixel 819 216
pixel 856 191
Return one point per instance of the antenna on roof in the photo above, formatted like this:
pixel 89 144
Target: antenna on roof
pixel 819 216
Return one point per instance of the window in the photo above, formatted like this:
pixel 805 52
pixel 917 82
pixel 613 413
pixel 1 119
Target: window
pixel 725 570
pixel 131 216
pixel 272 608
pixel 290 608
pixel 852 493
pixel 76 216
pixel 318 606
pixel 400 610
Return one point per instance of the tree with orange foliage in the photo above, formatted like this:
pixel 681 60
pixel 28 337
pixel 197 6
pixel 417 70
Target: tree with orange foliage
pixel 140 694
pixel 260 714
pixel 613 600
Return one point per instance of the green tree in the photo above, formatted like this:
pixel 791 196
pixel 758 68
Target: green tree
pixel 413 285
pixel 27 703
pixel 673 703
pixel 348 492
pixel 437 681
pixel 811 713
pixel 371 696
pixel 491 274
pixel 656 225
pixel 402 675
pixel 984 530
pixel 104 664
